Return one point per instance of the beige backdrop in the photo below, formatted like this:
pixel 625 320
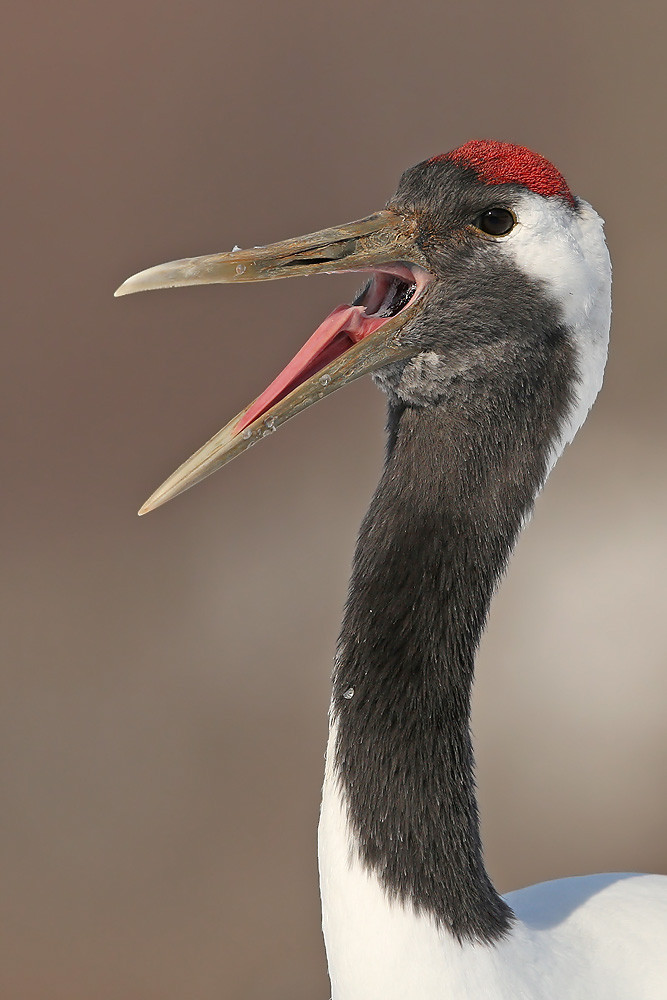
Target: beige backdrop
pixel 165 680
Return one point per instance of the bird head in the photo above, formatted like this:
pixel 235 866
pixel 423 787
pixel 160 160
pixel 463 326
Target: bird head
pixel 479 260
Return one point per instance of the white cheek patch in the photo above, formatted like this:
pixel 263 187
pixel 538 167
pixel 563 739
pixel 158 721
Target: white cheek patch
pixel 566 252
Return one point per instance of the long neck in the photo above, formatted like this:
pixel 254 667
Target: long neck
pixel 436 538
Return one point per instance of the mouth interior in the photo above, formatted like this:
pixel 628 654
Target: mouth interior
pixel 386 294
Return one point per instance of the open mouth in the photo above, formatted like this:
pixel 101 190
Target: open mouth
pixel 353 340
pixel 386 294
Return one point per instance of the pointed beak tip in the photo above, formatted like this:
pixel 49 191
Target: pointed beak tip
pixel 145 281
pixel 150 505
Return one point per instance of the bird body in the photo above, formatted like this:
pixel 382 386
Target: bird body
pixel 596 937
pixel 485 319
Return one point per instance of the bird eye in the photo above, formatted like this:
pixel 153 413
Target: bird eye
pixel 496 222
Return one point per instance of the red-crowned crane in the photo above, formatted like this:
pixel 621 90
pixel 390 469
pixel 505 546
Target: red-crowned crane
pixel 485 320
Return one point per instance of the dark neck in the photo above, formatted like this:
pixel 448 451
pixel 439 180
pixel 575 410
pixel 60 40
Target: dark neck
pixel 432 546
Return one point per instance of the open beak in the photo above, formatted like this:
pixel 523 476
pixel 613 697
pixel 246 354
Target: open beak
pixel 351 341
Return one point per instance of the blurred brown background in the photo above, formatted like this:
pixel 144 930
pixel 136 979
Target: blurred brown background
pixel 165 680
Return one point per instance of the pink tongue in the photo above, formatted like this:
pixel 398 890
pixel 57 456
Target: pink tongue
pixel 342 328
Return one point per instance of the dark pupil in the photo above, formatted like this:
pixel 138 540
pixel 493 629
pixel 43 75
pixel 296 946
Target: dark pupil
pixel 496 222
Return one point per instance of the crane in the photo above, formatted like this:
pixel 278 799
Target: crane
pixel 484 317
